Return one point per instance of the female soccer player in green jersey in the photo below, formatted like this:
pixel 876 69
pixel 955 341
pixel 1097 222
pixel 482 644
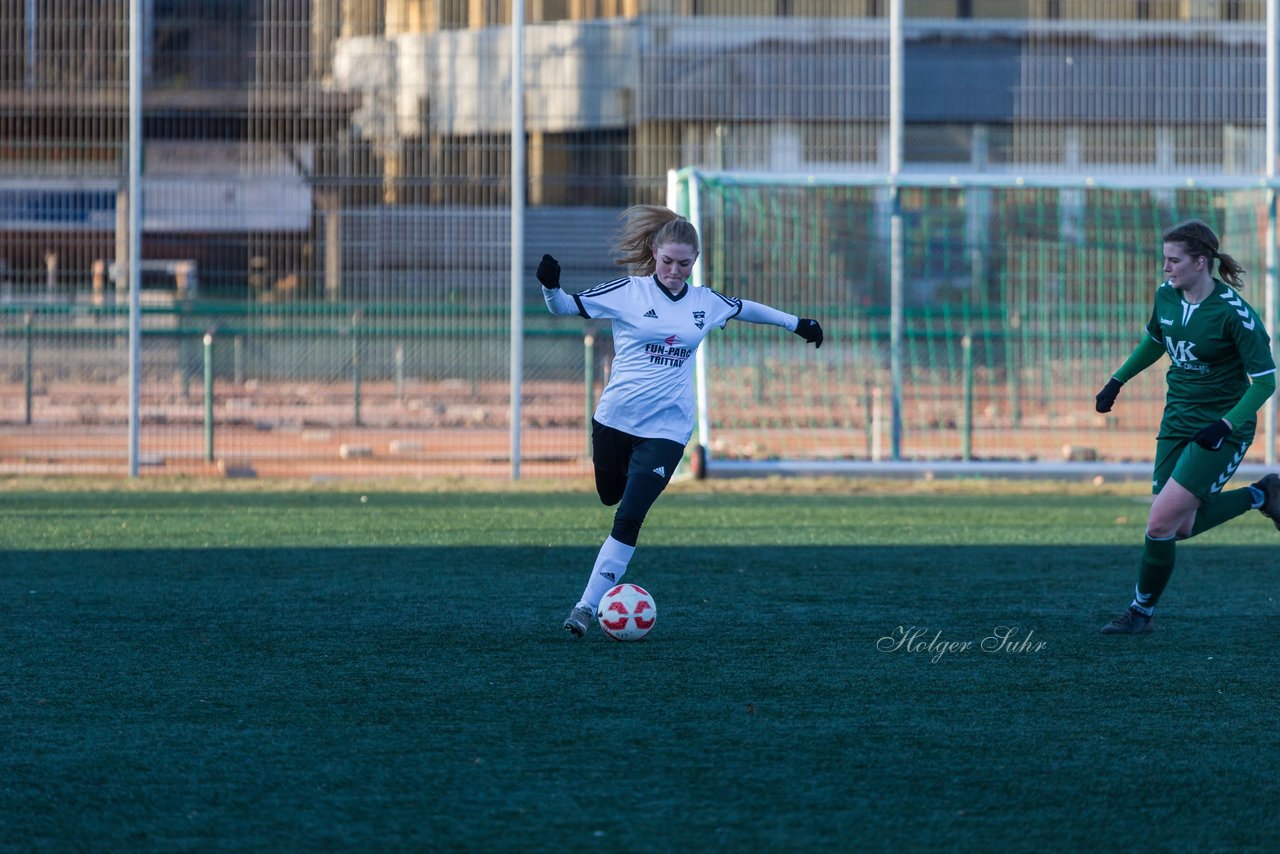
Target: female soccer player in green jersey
pixel 1220 374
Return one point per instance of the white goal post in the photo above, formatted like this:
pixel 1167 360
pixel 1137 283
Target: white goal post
pixel 971 341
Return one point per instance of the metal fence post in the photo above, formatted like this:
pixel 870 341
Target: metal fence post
pixel 237 360
pixel 966 435
pixel 30 364
pixel 757 377
pixel 399 364
pixel 589 380
pixel 355 368
pixel 208 397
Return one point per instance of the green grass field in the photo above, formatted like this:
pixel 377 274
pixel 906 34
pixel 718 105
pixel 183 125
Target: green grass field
pixel 322 668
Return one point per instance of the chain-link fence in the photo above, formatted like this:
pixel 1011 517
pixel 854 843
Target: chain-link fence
pixel 326 197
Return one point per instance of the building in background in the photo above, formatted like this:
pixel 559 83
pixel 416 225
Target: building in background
pixel 341 147
pixel 619 92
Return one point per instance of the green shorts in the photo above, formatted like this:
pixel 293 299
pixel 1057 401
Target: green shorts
pixel 1202 472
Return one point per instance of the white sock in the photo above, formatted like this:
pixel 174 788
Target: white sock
pixel 611 565
pixel 1142 602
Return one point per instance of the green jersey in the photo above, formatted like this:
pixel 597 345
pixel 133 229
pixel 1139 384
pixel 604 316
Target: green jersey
pixel 1214 347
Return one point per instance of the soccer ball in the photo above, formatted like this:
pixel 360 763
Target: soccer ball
pixel 627 612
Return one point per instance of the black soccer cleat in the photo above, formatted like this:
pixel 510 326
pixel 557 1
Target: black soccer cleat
pixel 579 619
pixel 1270 486
pixel 1131 622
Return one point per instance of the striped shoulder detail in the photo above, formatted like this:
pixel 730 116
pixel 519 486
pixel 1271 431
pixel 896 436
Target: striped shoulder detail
pixel 725 299
pixel 1263 373
pixel 605 288
pixel 732 301
pixel 1241 308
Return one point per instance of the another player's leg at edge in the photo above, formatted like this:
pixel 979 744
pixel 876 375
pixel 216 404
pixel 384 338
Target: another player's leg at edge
pixel 1158 554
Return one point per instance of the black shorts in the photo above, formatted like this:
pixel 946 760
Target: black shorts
pixel 616 454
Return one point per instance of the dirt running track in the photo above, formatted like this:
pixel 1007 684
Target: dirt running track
pixel 444 429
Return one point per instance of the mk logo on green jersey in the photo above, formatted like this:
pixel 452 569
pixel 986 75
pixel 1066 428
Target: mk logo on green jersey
pixel 1180 351
pixel 1183 355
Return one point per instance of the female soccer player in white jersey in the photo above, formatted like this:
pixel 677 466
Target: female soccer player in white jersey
pixel 1220 374
pixel 645 415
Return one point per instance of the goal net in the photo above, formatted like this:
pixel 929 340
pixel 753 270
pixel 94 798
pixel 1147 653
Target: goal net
pixel 969 319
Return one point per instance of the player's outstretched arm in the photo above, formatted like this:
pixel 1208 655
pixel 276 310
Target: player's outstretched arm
pixel 558 302
pixel 757 312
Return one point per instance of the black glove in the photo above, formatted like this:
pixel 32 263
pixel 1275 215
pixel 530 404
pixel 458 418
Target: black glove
pixel 810 331
pixel 1212 437
pixel 1107 397
pixel 549 272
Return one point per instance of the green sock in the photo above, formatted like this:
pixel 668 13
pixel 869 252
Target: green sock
pixel 1221 508
pixel 1157 567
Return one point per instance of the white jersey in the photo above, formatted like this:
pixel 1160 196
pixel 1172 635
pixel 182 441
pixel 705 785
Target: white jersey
pixel 655 334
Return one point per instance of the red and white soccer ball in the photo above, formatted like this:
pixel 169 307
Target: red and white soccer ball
pixel 627 612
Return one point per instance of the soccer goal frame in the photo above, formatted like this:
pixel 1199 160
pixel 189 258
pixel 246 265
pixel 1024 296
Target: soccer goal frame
pixel 1249 202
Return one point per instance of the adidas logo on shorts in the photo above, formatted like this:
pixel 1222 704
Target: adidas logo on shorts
pixel 660 471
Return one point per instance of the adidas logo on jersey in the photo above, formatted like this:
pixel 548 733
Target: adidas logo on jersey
pixel 651 313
